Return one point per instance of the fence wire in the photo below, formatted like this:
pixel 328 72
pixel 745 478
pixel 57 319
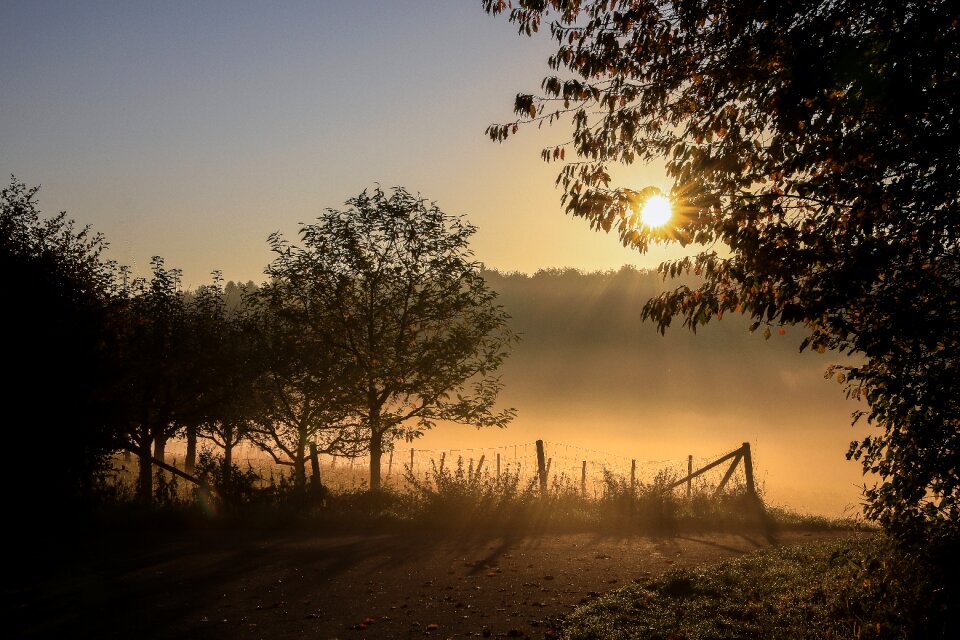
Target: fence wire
pixel 568 467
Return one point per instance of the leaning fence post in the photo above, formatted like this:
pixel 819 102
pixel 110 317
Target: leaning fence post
pixel 498 466
pixel 390 464
pixel 689 473
pixel 633 476
pixel 583 479
pixel 541 468
pixel 748 469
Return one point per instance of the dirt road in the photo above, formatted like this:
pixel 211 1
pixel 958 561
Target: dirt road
pixel 301 585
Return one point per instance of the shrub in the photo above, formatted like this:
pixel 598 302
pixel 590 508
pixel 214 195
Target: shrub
pixel 239 488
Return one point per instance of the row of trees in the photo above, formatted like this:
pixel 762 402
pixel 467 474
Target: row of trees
pixel 376 326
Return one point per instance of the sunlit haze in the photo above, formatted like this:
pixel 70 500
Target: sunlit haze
pixel 192 130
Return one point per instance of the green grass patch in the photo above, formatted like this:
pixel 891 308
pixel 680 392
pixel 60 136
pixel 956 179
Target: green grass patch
pixel 853 588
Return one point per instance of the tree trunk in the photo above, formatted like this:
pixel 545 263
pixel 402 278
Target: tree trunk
pixel 145 477
pixel 300 468
pixel 160 448
pixel 190 462
pixel 226 470
pixel 376 453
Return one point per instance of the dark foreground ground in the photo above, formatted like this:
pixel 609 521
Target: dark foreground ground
pixel 248 584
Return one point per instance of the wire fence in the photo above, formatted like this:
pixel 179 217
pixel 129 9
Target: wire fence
pixel 565 465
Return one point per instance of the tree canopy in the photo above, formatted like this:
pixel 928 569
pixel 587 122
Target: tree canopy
pixel 59 332
pixel 390 287
pixel 814 150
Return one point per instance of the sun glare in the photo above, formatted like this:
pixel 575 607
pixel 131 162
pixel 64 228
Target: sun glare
pixel 656 212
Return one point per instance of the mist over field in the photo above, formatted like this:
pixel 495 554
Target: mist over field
pixel 589 373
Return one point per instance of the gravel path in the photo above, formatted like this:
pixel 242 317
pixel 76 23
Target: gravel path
pixel 398 585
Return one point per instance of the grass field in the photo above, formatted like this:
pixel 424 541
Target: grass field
pixel 850 588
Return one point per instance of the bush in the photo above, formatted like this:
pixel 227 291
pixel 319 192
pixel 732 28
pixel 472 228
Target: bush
pixel 239 488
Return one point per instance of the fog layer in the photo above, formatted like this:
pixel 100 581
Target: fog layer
pixel 589 374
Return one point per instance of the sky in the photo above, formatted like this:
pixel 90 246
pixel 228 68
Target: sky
pixel 192 130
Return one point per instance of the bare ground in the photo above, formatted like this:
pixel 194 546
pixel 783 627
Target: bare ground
pixel 242 584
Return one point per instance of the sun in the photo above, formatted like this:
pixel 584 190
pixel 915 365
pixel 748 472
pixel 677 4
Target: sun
pixel 656 211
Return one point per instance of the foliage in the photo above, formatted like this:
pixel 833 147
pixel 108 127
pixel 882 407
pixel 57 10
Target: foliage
pixel 302 390
pixel 847 588
pixel 814 151
pixel 56 394
pixel 166 489
pixel 236 487
pixel 231 359
pixel 390 288
pixel 160 383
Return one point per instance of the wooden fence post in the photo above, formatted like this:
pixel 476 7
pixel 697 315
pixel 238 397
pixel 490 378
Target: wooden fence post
pixel 633 476
pixel 541 468
pixel 411 460
pixel 583 479
pixel 390 464
pixel 689 473
pixel 748 469
pixel 498 466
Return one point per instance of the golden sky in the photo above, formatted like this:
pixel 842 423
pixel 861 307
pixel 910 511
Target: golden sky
pixel 192 130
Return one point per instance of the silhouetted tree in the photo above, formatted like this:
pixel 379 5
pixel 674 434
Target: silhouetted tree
pixel 229 361
pixel 405 304
pixel 59 418
pixel 301 396
pixel 159 388
pixel 817 144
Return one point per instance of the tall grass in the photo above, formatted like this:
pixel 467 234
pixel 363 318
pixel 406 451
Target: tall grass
pixel 462 493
